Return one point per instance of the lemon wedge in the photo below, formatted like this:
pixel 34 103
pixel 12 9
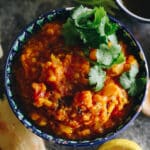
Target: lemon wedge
pixel 120 144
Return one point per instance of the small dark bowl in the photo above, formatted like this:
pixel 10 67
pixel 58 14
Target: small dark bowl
pixel 9 84
pixel 130 13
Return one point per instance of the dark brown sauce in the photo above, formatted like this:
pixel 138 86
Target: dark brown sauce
pixel 138 7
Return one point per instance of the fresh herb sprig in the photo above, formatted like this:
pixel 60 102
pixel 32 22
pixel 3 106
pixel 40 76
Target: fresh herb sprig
pixel 129 81
pixel 93 29
pixel 97 77
pixel 108 56
pixel 91 26
pixel 109 5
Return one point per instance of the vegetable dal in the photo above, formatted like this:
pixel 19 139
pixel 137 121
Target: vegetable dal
pixel 64 94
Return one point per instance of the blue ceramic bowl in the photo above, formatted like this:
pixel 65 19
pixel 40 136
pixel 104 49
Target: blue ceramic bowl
pixel 16 48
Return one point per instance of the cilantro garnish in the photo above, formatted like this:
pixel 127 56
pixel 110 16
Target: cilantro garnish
pixel 70 33
pixel 120 59
pixel 129 81
pixel 128 78
pixel 104 57
pixel 137 86
pixel 91 26
pixel 107 56
pixel 97 77
pixel 93 29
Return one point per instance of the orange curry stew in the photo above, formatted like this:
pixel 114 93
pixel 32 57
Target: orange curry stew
pixel 52 80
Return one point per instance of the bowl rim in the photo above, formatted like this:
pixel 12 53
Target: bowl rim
pixel 130 13
pixel 74 143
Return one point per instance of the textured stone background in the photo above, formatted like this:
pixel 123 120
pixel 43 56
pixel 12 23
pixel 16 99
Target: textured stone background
pixel 15 14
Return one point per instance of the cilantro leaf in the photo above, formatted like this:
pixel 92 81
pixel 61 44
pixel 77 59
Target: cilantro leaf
pixel 113 39
pixel 128 78
pixel 137 87
pixel 86 18
pixel 141 82
pixel 91 26
pixel 107 56
pixel 115 50
pixel 133 71
pixel 70 32
pixel 99 14
pixel 97 77
pixel 91 38
pixel 104 57
pixel 125 80
pixel 132 89
pixel 82 17
pixel 129 82
pixel 120 59
pixel 102 25
pixel 110 28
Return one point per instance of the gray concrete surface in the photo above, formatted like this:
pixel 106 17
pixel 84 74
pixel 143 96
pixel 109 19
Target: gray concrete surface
pixel 15 14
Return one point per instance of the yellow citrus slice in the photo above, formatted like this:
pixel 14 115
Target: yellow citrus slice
pixel 120 144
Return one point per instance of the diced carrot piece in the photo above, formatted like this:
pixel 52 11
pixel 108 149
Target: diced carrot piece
pixel 93 54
